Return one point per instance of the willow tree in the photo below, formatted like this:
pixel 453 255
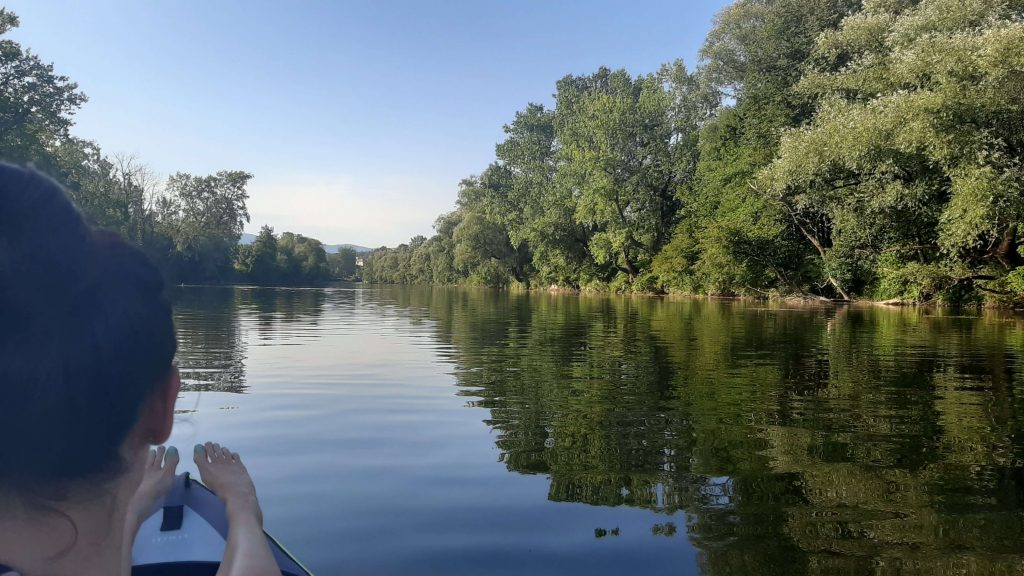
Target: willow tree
pixel 909 180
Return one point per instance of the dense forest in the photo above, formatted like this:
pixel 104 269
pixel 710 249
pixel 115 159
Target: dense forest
pixel 189 225
pixel 826 148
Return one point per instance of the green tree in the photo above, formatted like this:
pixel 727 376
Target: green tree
pixel 537 213
pixel 911 172
pixel 342 264
pixel 615 138
pixel 301 260
pixel 257 262
pixel 484 250
pixel 441 248
pixel 36 104
pixel 204 216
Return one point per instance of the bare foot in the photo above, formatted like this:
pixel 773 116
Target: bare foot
pixel 222 470
pixel 156 480
pixel 247 552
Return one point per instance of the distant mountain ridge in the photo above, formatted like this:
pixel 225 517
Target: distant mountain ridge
pixel 329 248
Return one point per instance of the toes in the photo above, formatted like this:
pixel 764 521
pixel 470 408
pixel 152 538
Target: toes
pixel 171 459
pixel 212 453
pixel 158 457
pixel 199 455
pixel 150 458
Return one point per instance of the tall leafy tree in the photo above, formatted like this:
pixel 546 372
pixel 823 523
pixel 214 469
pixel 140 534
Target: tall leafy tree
pixel 301 259
pixel 615 138
pixel 204 216
pixel 484 247
pixel 342 264
pixel 538 212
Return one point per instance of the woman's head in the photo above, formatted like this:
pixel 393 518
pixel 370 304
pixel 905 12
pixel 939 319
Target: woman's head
pixel 86 343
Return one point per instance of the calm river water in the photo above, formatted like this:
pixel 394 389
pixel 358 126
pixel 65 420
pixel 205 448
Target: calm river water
pixel 401 430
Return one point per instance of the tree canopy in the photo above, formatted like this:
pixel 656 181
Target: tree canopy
pixel 830 148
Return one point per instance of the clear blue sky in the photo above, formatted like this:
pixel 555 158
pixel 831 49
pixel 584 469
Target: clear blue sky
pixel 358 119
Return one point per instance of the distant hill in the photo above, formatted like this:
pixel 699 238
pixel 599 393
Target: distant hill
pixel 329 248
pixel 332 248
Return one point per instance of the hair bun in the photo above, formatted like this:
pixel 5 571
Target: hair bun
pixel 45 245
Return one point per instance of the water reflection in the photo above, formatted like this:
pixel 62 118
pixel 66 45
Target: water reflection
pixel 774 440
pixel 213 324
pixel 798 441
pixel 211 351
pixel 277 313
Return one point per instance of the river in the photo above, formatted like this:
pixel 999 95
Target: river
pixel 416 430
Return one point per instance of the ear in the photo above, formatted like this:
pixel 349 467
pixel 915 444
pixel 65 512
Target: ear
pixel 158 413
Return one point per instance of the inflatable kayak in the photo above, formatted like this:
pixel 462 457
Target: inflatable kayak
pixel 187 536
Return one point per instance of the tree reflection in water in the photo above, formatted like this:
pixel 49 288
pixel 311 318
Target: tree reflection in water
pixel 781 441
pixel 820 441
pixel 211 323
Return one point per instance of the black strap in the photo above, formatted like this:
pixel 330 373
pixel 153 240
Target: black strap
pixel 173 516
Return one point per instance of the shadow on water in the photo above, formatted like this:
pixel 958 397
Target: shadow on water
pixel 846 440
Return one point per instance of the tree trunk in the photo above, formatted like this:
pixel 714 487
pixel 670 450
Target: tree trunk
pixel 628 266
pixel 821 252
pixel 1006 252
pixel 839 288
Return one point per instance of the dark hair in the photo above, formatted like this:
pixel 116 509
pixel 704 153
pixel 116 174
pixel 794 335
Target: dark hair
pixel 86 335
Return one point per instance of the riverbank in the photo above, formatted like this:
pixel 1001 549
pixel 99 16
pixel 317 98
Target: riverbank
pixel 801 299
pixel 804 300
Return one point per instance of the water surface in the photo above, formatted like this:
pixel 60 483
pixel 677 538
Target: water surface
pixel 404 430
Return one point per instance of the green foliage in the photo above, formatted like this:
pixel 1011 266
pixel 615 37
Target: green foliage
pixel 830 147
pixel 615 136
pixel 301 260
pixel 203 216
pixel 36 105
pixel 838 148
pixel 916 148
pixel 342 264
pixel 673 267
pixel 583 195
pixel 291 259
pixel 257 262
pixel 190 226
